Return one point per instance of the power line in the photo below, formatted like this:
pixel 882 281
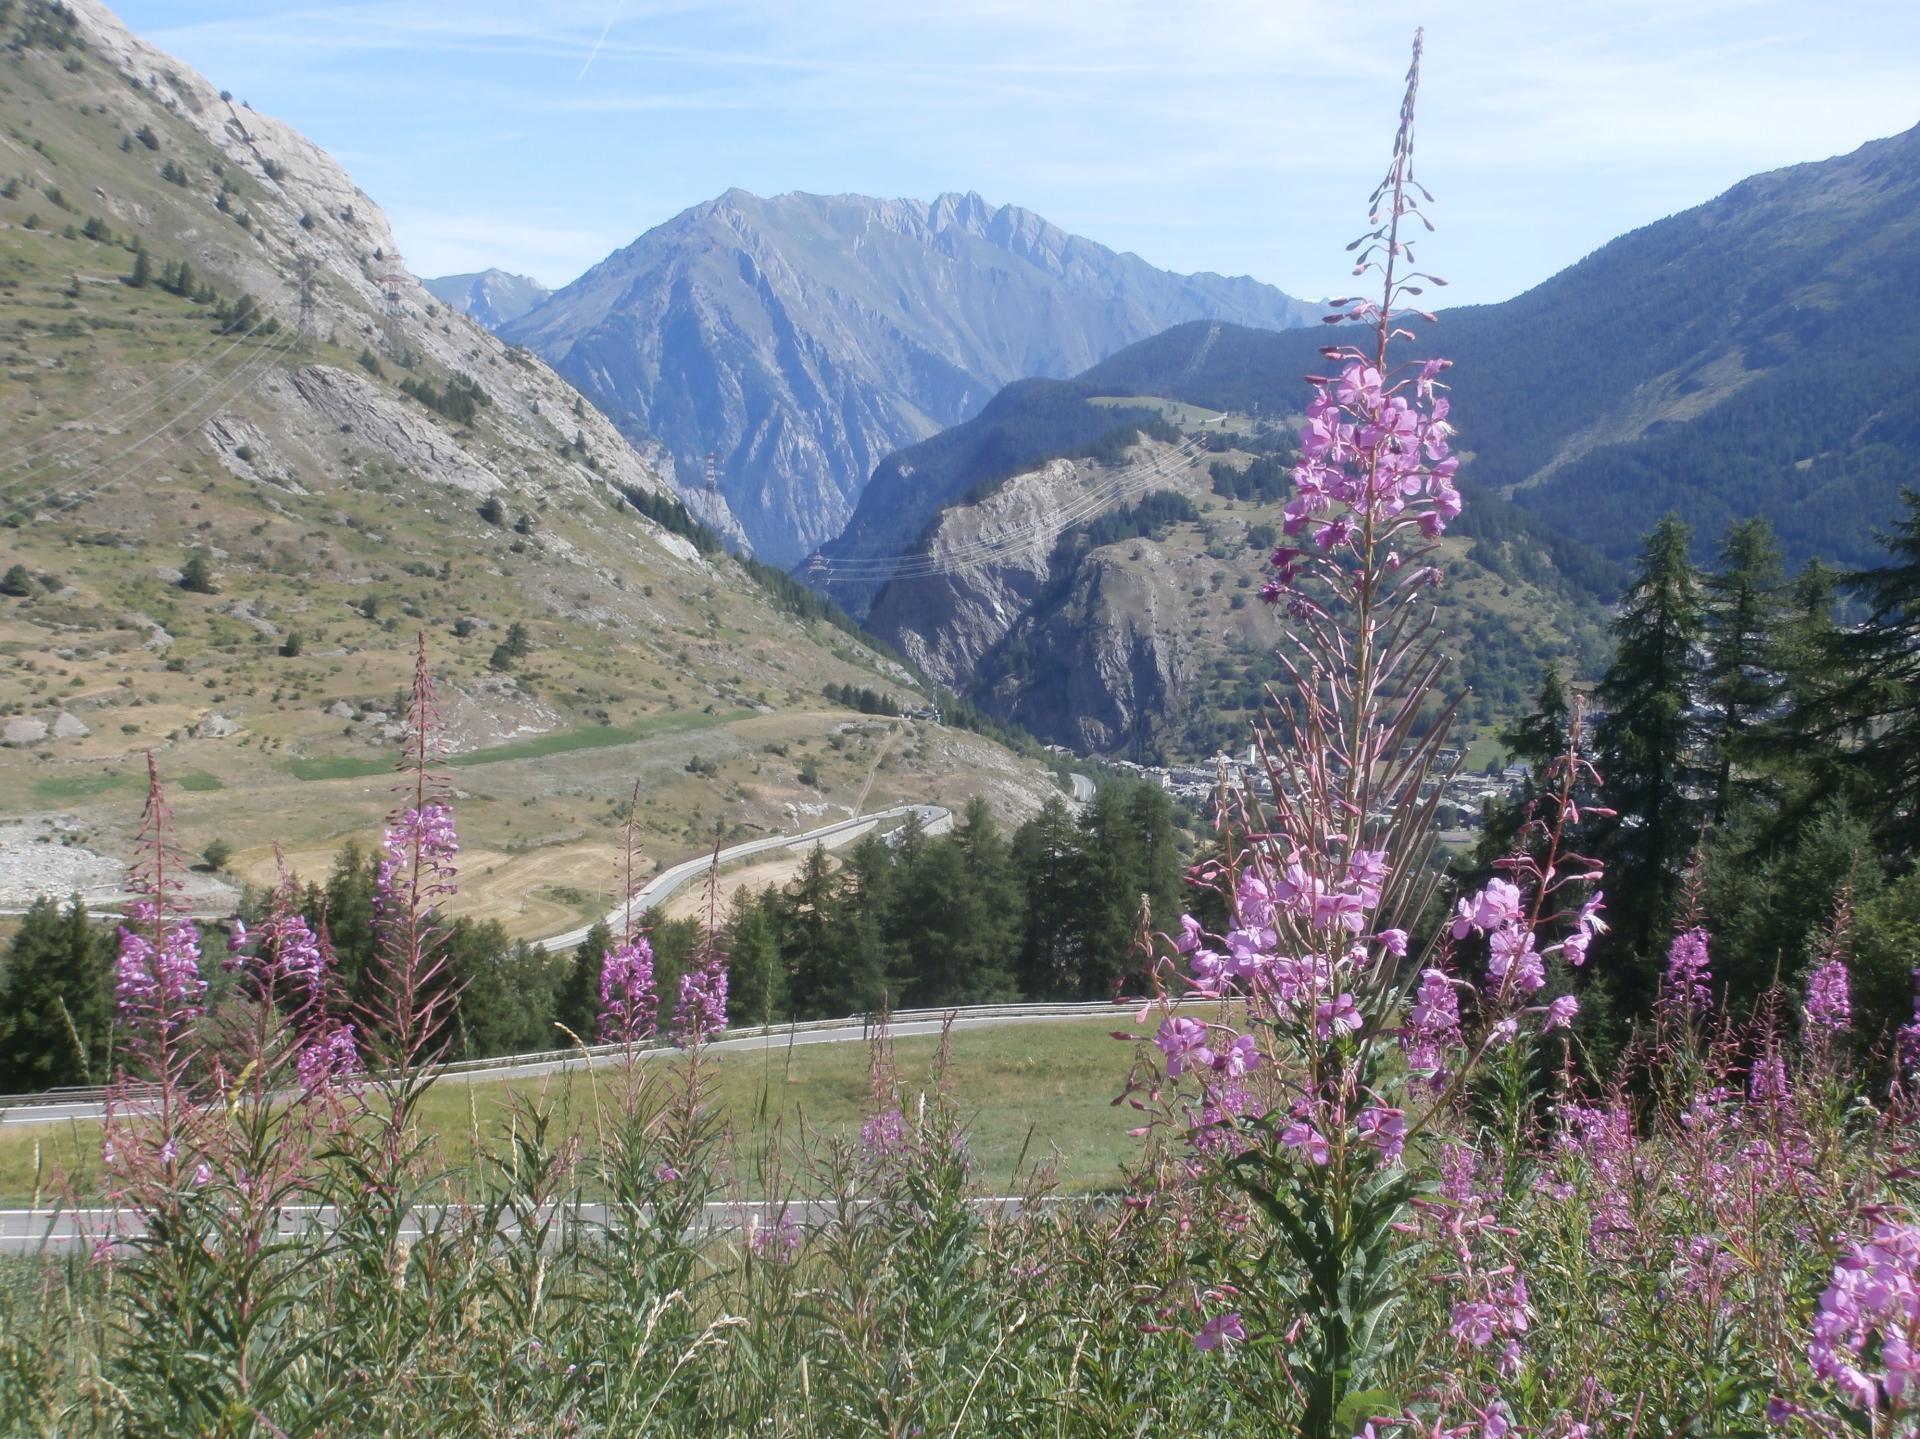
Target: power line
pixel 22 452
pixel 232 384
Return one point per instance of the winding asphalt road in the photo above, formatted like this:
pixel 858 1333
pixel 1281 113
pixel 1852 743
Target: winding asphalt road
pixel 936 818
pixel 30 1230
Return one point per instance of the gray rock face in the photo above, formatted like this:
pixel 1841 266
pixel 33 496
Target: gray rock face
pixel 69 726
pixel 493 297
pixel 804 338
pixel 1109 659
pixel 23 730
pixel 216 726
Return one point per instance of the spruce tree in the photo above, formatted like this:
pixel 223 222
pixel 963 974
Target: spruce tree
pixel 56 1000
pixel 808 941
pixel 578 1006
pixel 1867 702
pixel 1648 742
pixel 1744 606
pixel 1048 857
pixel 756 983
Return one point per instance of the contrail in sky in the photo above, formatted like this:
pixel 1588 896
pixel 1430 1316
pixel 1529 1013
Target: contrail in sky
pixel 605 30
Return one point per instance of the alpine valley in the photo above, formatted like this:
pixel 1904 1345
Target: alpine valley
pixel 247 456
pixel 1076 556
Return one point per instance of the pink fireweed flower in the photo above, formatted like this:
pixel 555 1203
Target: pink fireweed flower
pixel 1309 1141
pixel 1184 1042
pixel 1387 1128
pixel 702 1009
pixel 1339 1016
pixel 158 985
pixel 428 832
pixel 628 1004
pixel 1687 972
pixel 1829 1006
pixel 1241 1057
pixel 883 1134
pixel 1433 1023
pixel 1560 1013
pixel 327 1058
pixel 1867 1330
pixel 1512 958
pixel 1496 905
pixel 1223 1331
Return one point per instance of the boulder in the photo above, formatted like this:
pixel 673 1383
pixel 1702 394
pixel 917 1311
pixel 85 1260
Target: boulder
pixel 216 726
pixel 23 730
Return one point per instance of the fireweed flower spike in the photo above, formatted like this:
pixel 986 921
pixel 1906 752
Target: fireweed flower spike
pixel 627 1000
pixel 1326 875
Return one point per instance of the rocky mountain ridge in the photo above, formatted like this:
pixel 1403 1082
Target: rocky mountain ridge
pixel 800 339
pixel 493 297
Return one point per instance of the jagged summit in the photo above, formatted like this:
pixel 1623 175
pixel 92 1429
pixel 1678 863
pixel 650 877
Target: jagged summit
pixel 801 338
pixel 491 296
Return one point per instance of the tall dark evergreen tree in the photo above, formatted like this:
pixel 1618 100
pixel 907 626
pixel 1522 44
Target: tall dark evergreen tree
pixel 578 1006
pixel 756 984
pixel 808 940
pixel 1048 858
pixel 1648 742
pixel 1745 602
pixel 1535 740
pixel 56 999
pixel 1868 705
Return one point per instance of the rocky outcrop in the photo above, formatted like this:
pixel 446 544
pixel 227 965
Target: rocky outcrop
pixel 1116 665
pixel 804 338
pixel 304 211
pixel 1084 647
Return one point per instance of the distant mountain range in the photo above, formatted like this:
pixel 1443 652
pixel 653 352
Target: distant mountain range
pixel 493 297
pixel 802 339
pixel 1758 354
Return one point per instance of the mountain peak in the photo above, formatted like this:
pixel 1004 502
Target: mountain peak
pixel 492 296
pixel 801 338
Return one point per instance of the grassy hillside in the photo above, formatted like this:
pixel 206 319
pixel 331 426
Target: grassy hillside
pixel 231 525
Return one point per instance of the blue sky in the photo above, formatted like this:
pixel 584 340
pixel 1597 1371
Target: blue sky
pixel 1234 135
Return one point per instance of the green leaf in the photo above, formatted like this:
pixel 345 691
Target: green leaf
pixel 1357 1408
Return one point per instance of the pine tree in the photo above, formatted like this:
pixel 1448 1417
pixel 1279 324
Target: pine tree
pixel 1744 605
pixel 1048 857
pixel 578 1005
pixel 1648 739
pixel 756 983
pixel 1867 700
pixel 808 942
pixel 1108 903
pixel 56 999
